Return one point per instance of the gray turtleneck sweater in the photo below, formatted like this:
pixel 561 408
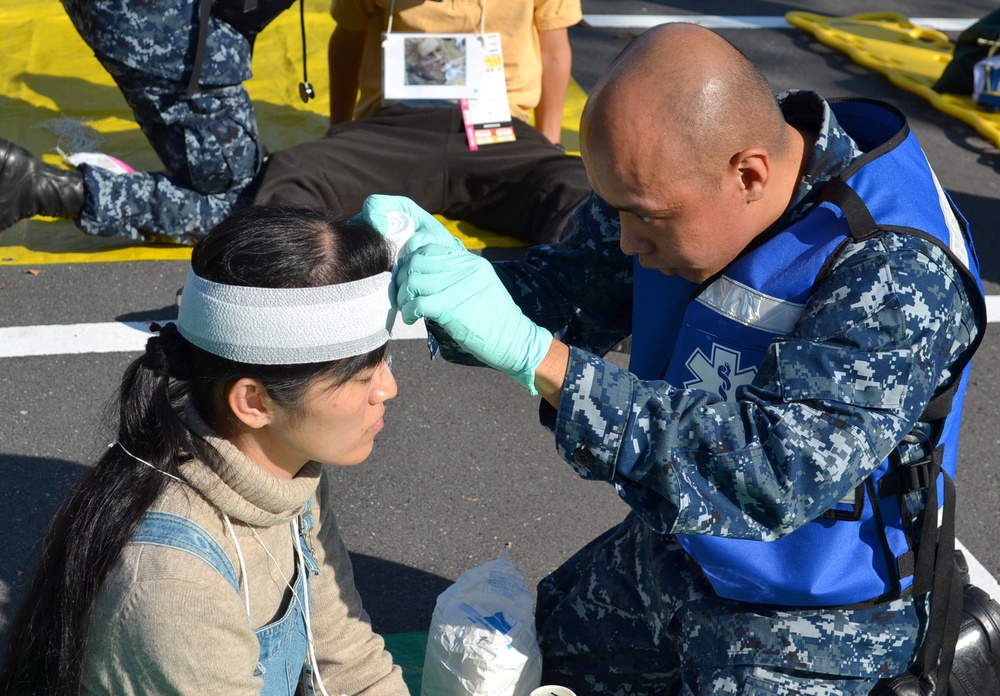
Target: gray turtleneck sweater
pixel 166 623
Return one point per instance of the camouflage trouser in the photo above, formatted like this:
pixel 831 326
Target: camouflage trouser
pixel 209 145
pixel 631 614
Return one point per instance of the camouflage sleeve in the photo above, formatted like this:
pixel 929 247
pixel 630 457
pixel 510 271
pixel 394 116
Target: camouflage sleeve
pixel 830 401
pixel 580 288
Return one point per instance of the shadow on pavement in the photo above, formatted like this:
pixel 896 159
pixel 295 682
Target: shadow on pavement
pixel 398 598
pixel 25 514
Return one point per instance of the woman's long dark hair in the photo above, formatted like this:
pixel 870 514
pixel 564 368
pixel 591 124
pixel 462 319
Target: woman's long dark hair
pixel 271 247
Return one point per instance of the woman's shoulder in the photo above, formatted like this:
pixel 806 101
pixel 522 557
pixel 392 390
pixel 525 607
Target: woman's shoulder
pixel 163 611
pixel 178 549
pixel 170 557
pixel 162 599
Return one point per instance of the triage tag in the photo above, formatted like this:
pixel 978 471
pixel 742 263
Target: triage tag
pixel 487 115
pixel 431 66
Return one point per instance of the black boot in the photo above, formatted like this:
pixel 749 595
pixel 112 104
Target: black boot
pixel 29 186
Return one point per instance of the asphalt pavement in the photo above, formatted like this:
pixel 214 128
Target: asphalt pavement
pixel 463 466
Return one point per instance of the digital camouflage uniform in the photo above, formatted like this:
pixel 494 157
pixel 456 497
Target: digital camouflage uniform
pixel 208 142
pixel 631 613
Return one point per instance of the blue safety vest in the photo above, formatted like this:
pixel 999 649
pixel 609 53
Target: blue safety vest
pixel 862 549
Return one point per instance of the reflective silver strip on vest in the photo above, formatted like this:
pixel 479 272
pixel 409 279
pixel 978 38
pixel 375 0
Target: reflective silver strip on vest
pixel 956 240
pixel 751 307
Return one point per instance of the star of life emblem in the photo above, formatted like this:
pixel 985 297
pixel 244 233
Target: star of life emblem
pixel 721 374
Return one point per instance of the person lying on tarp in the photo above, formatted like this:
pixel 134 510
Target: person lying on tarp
pixel 505 176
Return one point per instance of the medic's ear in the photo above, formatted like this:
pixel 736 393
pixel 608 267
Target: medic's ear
pixel 250 404
pixel 753 165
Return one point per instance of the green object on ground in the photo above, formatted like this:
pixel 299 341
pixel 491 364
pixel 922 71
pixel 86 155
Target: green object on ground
pixel 407 651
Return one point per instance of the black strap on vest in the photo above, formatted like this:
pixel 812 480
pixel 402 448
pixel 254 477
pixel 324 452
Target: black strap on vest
pixel 859 218
pixel 919 475
pixel 940 406
pixel 934 568
pixel 928 676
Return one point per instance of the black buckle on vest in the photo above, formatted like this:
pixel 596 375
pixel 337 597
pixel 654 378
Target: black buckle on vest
pixel 915 477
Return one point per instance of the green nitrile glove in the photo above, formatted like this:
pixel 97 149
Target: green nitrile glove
pixel 462 293
pixel 387 215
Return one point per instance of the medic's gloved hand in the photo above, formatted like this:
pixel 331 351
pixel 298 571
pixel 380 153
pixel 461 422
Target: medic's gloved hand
pixel 462 293
pixel 405 223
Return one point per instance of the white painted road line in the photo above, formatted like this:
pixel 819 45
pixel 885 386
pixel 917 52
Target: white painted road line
pixel 993 309
pixel 645 21
pixel 111 337
pixel 978 575
pixel 69 339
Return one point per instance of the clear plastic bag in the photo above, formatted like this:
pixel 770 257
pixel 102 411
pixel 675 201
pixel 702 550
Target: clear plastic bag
pixel 482 639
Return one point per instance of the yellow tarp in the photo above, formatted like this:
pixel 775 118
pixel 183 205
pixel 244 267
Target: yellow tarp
pixel 51 85
pixel 911 56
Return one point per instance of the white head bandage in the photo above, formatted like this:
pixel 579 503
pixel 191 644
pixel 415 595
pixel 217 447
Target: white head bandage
pixel 292 326
pixel 287 326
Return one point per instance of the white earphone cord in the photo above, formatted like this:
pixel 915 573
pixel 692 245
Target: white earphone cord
pixel 143 461
pixel 244 578
pixel 306 608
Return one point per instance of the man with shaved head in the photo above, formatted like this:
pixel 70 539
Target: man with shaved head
pixel 707 115
pixel 803 300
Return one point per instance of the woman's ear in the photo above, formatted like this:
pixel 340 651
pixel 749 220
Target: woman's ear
pixel 250 404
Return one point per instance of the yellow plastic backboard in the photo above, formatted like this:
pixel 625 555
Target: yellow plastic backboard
pixel 911 56
pixel 52 90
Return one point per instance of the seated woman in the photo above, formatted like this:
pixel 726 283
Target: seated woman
pixel 201 554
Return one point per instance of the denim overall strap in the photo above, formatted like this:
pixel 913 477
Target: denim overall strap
pixel 283 643
pixel 174 531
